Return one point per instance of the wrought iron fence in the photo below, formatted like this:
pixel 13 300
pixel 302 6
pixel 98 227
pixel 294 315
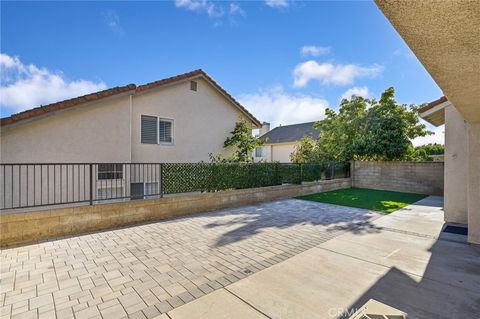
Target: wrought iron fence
pixel 32 185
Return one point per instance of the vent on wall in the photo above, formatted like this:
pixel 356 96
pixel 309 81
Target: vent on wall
pixel 193 85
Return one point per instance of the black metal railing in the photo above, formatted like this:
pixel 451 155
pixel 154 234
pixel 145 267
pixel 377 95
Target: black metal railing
pixel 45 184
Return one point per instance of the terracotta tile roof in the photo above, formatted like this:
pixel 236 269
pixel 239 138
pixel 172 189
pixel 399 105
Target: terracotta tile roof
pixel 57 106
pixel 432 104
pixel 122 89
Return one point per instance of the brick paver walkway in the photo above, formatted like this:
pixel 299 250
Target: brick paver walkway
pixel 142 271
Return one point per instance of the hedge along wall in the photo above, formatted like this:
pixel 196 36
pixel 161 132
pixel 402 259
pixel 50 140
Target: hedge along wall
pixel 412 177
pixel 195 177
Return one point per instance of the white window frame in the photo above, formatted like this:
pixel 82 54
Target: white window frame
pixel 173 130
pixel 165 119
pixel 145 196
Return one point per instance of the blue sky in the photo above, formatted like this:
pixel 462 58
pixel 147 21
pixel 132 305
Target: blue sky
pixel 285 61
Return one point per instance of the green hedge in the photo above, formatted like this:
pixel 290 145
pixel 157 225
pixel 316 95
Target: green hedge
pixel 203 177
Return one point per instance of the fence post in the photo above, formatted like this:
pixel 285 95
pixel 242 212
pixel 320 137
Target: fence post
pixel 333 170
pixel 161 180
pixel 91 183
pixel 301 173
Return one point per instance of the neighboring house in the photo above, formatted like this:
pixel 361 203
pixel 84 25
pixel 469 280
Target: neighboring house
pixel 444 37
pixel 281 141
pixel 178 119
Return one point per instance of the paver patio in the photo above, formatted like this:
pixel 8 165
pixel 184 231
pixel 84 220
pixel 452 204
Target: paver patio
pixel 146 270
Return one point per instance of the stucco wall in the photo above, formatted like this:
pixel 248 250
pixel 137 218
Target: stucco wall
pixel 473 182
pixel 281 152
pixel 203 119
pixel 97 132
pixel 413 177
pixel 456 172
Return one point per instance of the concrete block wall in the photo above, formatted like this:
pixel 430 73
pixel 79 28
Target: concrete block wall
pixel 30 226
pixel 413 177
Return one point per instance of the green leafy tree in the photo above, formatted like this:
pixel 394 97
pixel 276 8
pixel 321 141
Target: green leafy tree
pixel 243 141
pixel 367 129
pixel 423 152
pixel 305 151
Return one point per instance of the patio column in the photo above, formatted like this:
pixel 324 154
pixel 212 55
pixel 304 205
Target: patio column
pixel 473 187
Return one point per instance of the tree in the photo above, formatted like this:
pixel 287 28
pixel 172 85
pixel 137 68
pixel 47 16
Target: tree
pixel 423 152
pixel 305 151
pixel 367 129
pixel 243 141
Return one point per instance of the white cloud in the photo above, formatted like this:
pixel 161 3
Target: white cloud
pixel 25 86
pixel 279 107
pixel 113 21
pixel 358 91
pixel 201 6
pixel 328 73
pixel 314 50
pixel 235 9
pixel 277 3
pixel 438 136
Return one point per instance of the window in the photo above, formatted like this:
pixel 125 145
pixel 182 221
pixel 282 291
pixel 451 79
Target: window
pixel 165 131
pixel 156 130
pixel 193 85
pixel 259 152
pixel 151 188
pixel 149 129
pixel 143 190
pixel 110 171
pixel 109 192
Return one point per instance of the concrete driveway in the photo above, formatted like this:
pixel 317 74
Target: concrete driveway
pixel 146 270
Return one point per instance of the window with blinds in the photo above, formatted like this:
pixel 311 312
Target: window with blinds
pixel 165 131
pixel 149 129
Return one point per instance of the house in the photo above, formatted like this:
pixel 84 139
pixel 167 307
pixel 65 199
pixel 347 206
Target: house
pixel 441 112
pixel 444 37
pixel 280 142
pixel 178 119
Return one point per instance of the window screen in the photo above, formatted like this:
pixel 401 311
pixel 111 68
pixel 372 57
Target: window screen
pixel 165 131
pixel 149 129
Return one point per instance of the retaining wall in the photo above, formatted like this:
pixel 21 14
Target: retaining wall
pixel 24 227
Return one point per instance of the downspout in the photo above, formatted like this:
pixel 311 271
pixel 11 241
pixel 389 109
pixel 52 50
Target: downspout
pixel 130 122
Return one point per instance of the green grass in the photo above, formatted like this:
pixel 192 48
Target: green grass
pixel 383 201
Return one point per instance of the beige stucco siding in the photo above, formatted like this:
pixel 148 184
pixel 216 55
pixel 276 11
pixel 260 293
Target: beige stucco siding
pixel 456 172
pixel 473 188
pixel 90 133
pixel 203 119
pixel 281 152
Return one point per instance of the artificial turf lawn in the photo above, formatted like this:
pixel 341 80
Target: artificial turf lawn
pixel 383 201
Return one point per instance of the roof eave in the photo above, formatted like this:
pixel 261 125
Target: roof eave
pixel 434 113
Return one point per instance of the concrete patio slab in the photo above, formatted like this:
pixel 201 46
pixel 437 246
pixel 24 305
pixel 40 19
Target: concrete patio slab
pixel 445 261
pixel 424 217
pixel 218 304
